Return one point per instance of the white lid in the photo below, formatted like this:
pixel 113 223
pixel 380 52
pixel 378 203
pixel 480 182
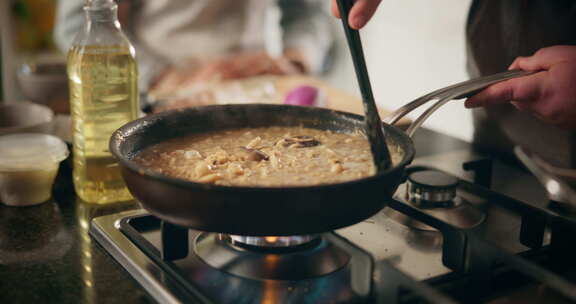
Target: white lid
pixel 27 151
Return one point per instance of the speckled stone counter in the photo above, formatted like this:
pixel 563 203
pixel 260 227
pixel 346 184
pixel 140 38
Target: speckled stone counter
pixel 47 256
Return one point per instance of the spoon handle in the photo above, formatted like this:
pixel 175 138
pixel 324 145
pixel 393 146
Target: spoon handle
pixel 374 128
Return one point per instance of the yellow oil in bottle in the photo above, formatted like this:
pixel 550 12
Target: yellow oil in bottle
pixel 103 97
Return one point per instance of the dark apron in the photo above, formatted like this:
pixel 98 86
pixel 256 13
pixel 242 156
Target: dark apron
pixel 497 32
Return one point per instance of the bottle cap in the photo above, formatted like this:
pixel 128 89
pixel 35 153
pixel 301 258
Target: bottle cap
pixel 27 151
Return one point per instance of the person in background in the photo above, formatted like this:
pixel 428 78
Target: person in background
pixel 537 111
pixel 182 42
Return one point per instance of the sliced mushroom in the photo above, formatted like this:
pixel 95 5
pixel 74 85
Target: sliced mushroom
pixel 210 178
pixel 336 168
pixel 218 158
pixel 202 169
pixel 254 142
pixel 235 169
pixel 301 141
pixel 192 154
pixel 252 154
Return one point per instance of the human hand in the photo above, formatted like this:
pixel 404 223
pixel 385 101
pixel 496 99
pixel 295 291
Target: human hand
pixel 360 13
pixel 549 94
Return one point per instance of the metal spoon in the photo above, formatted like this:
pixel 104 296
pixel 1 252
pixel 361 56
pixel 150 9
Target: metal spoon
pixel 374 129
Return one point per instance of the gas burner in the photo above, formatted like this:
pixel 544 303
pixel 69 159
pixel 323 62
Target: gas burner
pixel 313 258
pixel 218 269
pixel 270 241
pixel 432 189
pixel 435 193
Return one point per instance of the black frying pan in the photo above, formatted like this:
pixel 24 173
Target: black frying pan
pixel 254 210
pixel 271 211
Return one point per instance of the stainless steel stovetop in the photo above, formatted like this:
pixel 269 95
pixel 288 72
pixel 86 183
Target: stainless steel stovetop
pixel 401 254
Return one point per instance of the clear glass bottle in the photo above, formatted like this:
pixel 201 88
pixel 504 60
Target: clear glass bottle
pixel 102 74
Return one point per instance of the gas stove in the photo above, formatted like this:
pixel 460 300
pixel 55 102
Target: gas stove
pixel 450 235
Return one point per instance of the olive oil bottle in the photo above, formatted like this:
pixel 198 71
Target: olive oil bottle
pixel 102 74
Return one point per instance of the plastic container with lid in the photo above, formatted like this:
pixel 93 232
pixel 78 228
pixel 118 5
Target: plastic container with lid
pixel 28 166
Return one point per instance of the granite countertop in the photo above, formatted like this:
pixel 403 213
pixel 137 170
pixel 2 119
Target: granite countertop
pixel 47 256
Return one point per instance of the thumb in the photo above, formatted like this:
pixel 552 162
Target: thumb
pixel 362 12
pixel 523 89
pixel 544 58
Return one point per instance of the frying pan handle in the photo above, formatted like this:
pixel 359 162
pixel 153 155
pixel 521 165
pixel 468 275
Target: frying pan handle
pixel 456 91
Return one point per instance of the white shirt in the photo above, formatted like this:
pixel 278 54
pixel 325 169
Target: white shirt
pixel 169 32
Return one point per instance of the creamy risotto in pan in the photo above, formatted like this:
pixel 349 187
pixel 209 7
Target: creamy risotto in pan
pixel 272 156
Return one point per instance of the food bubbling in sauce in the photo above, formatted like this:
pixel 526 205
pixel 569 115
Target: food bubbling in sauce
pixel 264 157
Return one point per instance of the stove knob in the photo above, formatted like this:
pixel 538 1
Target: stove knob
pixel 431 186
